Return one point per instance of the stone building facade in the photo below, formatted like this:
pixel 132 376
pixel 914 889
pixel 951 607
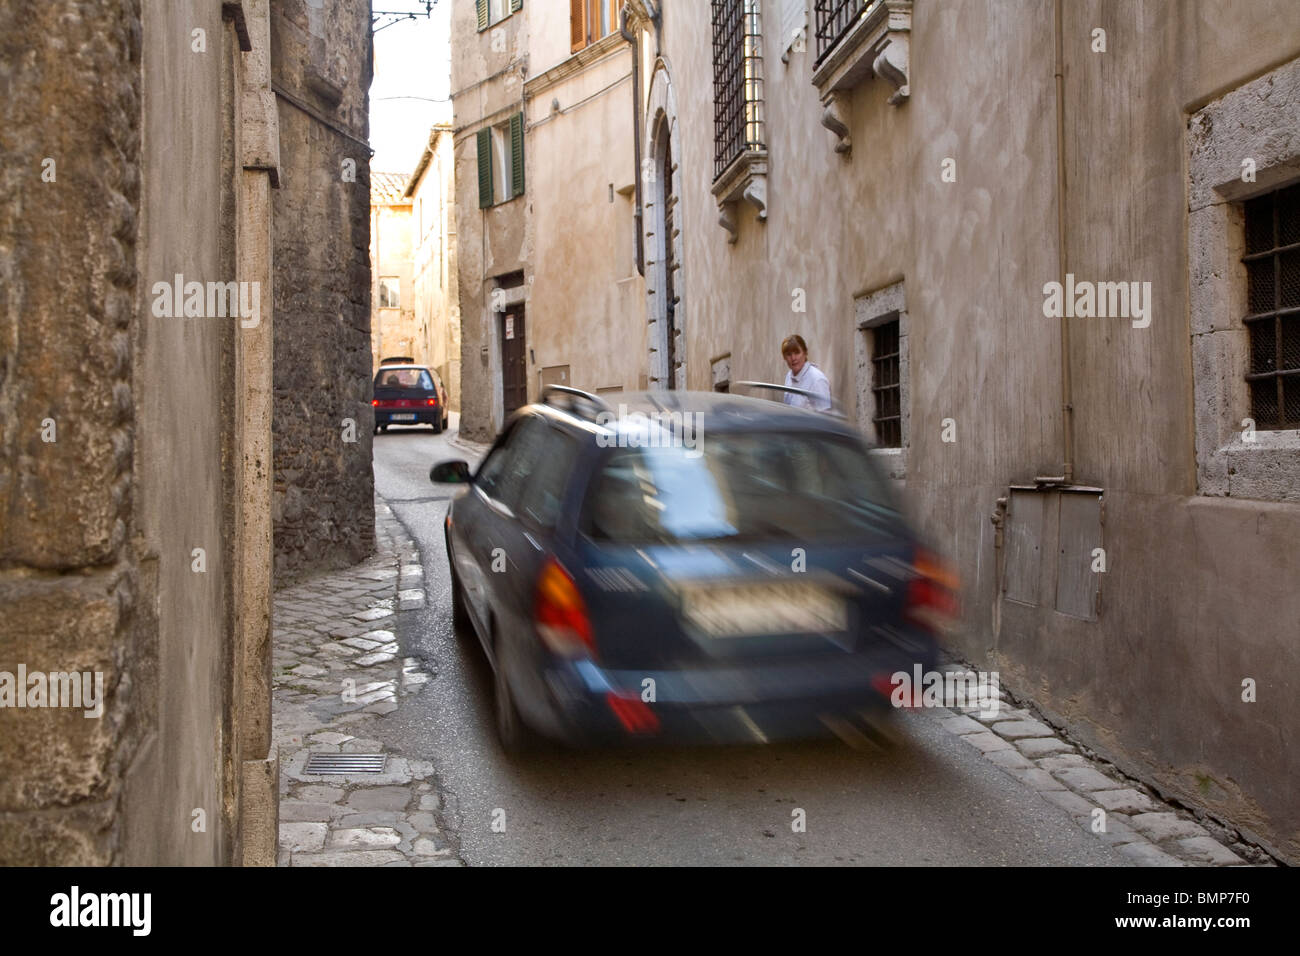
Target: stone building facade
pixel 1119 485
pixel 546 203
pixel 135 537
pixel 393 328
pixel 431 191
pixel 141 307
pixel 324 484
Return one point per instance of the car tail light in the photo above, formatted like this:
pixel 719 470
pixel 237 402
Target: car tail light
pixel 883 684
pixel 431 401
pixel 560 613
pixel 633 713
pixel 374 402
pixel 932 594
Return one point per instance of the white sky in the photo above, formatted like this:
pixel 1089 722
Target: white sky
pixel 412 66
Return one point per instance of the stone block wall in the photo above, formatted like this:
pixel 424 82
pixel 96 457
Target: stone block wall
pixel 68 577
pixel 324 485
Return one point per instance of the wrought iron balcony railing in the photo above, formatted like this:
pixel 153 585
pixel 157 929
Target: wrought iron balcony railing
pixel 833 19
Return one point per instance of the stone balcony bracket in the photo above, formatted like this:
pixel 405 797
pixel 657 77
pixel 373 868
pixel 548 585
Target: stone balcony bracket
pixel 876 46
pixel 836 119
pixel 745 180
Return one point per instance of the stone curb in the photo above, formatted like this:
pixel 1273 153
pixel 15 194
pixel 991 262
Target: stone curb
pixel 473 448
pixel 337 663
pixel 1145 829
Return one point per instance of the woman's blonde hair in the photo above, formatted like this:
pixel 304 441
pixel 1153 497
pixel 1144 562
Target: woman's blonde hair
pixel 793 343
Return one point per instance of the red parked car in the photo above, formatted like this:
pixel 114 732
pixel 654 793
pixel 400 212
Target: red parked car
pixel 409 395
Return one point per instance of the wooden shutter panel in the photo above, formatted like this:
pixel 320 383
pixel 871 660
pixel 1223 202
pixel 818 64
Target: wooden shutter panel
pixel 577 24
pixel 481 8
pixel 484 168
pixel 517 154
pixel 516 5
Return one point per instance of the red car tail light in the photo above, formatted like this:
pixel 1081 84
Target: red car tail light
pixel 932 594
pixel 374 402
pixel 431 401
pixel 633 713
pixel 560 613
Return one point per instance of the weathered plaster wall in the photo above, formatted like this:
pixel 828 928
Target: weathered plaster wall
pixel 1199 591
pixel 324 485
pixel 184 416
pixel 574 243
pixel 393 331
pixel 585 296
pixel 437 292
pixel 487 71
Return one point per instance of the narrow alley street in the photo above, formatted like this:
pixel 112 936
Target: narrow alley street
pixel 495 435
pixel 933 799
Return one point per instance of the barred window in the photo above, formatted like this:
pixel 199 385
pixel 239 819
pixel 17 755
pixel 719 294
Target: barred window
pixel 833 19
pixel 737 81
pixel 886 385
pixel 1273 277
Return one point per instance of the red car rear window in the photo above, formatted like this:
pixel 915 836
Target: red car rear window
pixel 404 378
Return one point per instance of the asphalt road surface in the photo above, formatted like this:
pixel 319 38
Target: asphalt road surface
pixel 932 800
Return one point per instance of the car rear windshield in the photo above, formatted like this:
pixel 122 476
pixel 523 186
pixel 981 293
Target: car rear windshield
pixel 755 486
pixel 404 378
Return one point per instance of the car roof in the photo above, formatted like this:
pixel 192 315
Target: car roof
pixel 398 368
pixel 628 412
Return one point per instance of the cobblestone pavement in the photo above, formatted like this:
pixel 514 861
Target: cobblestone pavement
pixel 1103 801
pixel 337 670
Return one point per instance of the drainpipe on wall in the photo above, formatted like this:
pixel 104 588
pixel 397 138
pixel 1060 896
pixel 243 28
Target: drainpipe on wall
pixel 999 519
pixel 636 132
pixel 1067 405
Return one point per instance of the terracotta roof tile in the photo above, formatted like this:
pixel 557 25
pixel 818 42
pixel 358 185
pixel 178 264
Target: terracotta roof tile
pixel 386 189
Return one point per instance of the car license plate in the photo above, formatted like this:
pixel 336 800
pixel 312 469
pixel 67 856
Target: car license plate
pixel 777 608
pixel 403 418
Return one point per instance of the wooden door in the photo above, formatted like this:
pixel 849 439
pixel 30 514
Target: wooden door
pixel 514 373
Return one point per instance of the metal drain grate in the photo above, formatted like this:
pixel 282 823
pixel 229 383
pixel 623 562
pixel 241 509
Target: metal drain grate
pixel 345 763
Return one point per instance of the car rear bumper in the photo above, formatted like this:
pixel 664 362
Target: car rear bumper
pixel 397 416
pixel 726 704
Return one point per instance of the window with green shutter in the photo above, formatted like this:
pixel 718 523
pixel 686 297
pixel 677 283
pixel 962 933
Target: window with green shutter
pixel 484 168
pixel 517 155
pixel 494 11
pixel 501 162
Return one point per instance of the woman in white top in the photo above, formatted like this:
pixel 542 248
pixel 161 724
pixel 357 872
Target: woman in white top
pixel 803 374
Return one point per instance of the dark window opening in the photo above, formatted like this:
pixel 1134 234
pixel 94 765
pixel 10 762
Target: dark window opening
pixel 1273 294
pixel 886 386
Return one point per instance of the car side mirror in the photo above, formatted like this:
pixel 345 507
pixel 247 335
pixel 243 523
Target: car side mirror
pixel 450 473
